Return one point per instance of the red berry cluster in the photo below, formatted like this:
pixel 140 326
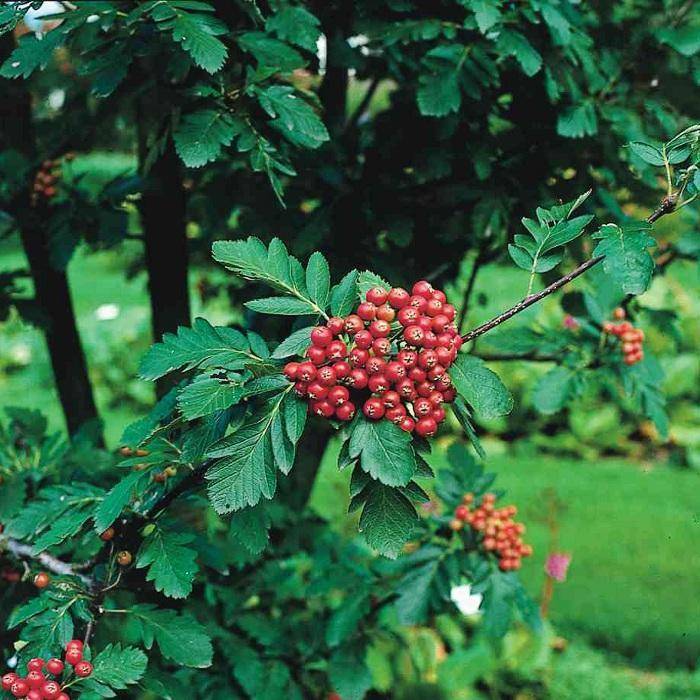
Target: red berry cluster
pixel 45 181
pixel 392 354
pixel 501 534
pixel 36 686
pixel 630 337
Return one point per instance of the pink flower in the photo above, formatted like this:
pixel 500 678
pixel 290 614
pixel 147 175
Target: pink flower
pixel 571 323
pixel 557 565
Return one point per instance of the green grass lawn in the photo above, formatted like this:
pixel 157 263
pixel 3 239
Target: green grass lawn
pixel 634 536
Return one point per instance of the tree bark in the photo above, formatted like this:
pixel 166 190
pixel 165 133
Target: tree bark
pixel 51 290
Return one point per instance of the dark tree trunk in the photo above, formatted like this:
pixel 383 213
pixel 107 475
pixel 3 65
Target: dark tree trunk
pixel 52 293
pixel 163 218
pixel 334 88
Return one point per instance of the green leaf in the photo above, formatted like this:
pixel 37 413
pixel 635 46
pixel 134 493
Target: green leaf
pixel 578 121
pixel 207 395
pixel 384 450
pixel 480 387
pixel 293 117
pixel 498 604
pixel 415 587
pixel 346 617
pixel 344 295
pixel 295 412
pixel 296 344
pixel 65 526
pixel 180 638
pixel 348 672
pixel 648 153
pixel 387 519
pixel 171 563
pixel 200 136
pixel 486 13
pixel 515 44
pixel 438 93
pixel 250 527
pixel 318 279
pixel 282 306
pixel 553 390
pixel 202 345
pixel 627 258
pixel 118 497
pixel 12 493
pixel 33 52
pixel 117 668
pixel 271 52
pixel 366 280
pixel 295 25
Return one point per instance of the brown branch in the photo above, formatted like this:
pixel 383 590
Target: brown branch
pixel 667 205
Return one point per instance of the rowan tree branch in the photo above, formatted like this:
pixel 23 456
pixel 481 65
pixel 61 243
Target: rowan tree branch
pixel 667 206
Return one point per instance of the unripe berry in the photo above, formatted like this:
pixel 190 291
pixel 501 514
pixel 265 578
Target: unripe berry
pixel 341 369
pixel 619 313
pixel 386 313
pixel 83 669
pixel 423 288
pixel 326 376
pixel 42 579
pixel 316 355
pixel 398 297
pixel 170 471
pixel 407 424
pixel 379 329
pixel 358 379
pixel 381 346
pixel 364 340
pixel 107 535
pixel 321 336
pixel 55 666
pixel 124 558
pixel 336 325
pixel 378 383
pixel 346 411
pixel 317 391
pixel 426 427
pixel 353 324
pixel 373 408
pixel 35 664
pixel 375 365
pixel 367 311
pixel 337 350
pixel 456 525
pixel 408 316
pixel 323 408
pixel 377 295
pixel 338 395
pixel 307 372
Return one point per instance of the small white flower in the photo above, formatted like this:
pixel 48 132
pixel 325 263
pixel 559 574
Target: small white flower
pixel 107 312
pixel 467 602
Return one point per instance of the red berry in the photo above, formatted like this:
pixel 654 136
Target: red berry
pixel 436 398
pixel 438 414
pixel 408 316
pixel 341 369
pixel 346 411
pixel 73 655
pixel 426 427
pixel 461 512
pixel 301 389
pixel 8 679
pixel 423 289
pixel 407 424
pixel 408 358
pixel 378 383
pixel 395 371
pixel 427 359
pixel 373 408
pixel 391 399
pixel 83 669
pixel 439 295
pixel 358 357
pixel 323 408
pixel 430 340
pixel 75 643
pixel 35 679
pixel 364 340
pixel 375 365
pixel 55 666
pixel 35 694
pixel 379 329
pixel 443 383
pixel 386 313
pixel 414 335
pixel 367 311
pixel 449 311
pixel 406 389
pixel 19 688
pixel 337 350
pixel 316 355
pixel 444 356
pixel 424 323
pixel 61 696
pixel 449 395
pixel 353 324
pixel 338 395
pixel 436 373
pixel 434 308
pixel 358 379
pixel 306 372
pixel 422 407
pixel 321 336
pixel 395 414
pixel 381 346
pixel 42 579
pixel 326 376
pixel 425 389
pixel 377 295
pixel 398 297
pixel 439 323
pixel 336 325
pixel 290 370
pixel 418 303
pixel 35 664
pixel 317 391
pixel 417 375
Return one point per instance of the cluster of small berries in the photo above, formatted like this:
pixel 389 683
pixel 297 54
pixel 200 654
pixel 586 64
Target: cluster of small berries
pixel 46 180
pixel 36 686
pixel 630 337
pixel 393 353
pixel 160 477
pixel 501 534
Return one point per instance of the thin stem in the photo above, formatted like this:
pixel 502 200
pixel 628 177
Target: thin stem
pixel 364 104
